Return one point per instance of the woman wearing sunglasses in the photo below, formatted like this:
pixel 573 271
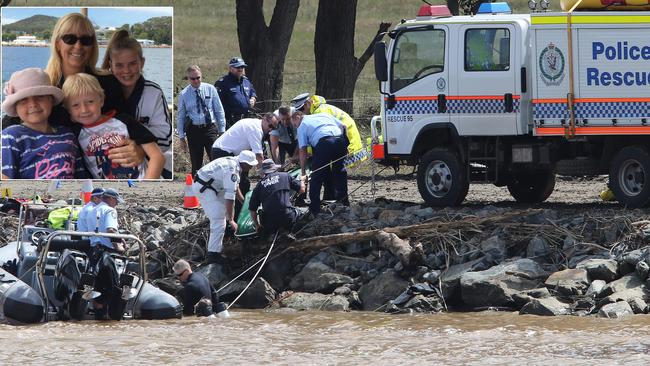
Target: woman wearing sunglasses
pixel 74 49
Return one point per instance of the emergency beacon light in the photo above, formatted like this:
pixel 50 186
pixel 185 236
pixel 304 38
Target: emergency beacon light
pixel 494 8
pixel 434 11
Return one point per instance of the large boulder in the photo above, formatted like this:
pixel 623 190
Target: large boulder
pixel 450 279
pixel 497 285
pixel 615 310
pixel 538 247
pixel 258 296
pixel 547 306
pixel 386 286
pixel 569 282
pixel 595 288
pixel 216 273
pixel 495 249
pixel 316 301
pixel 600 269
pixel 308 279
pixel 626 282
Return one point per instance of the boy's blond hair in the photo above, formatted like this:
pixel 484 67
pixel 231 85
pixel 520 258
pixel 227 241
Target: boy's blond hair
pixel 81 84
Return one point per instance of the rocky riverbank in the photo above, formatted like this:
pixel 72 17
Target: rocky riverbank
pixel 398 256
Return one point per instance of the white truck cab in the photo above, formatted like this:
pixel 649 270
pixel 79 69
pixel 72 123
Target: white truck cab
pixel 510 98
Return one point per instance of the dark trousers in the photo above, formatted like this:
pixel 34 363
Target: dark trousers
pixel 286 149
pixel 327 150
pixel 200 139
pixel 244 182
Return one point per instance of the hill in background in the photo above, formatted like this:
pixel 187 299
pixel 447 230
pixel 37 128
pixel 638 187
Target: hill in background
pixel 32 25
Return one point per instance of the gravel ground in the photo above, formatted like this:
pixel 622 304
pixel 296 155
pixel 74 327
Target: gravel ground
pixel 581 193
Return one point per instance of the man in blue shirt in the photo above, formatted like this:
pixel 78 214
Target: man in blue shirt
pixel 106 221
pixel 325 134
pixel 236 92
pixel 85 215
pixel 199 112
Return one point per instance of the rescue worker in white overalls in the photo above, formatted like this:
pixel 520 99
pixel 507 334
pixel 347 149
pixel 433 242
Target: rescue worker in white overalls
pixel 215 184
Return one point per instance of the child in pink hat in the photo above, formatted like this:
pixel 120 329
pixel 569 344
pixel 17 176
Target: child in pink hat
pixel 34 149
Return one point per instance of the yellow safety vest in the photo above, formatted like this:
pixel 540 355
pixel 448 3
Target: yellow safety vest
pixel 356 150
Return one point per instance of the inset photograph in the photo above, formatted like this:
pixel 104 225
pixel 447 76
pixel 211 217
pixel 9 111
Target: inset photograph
pixel 87 93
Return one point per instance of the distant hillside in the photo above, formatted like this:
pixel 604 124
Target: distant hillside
pixel 32 25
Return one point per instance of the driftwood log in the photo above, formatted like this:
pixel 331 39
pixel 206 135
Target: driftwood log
pixel 325 241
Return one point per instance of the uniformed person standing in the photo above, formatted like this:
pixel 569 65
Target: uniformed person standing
pixel 314 104
pixel 215 185
pixel 325 134
pixel 237 93
pixel 85 220
pixel 107 281
pixel 199 113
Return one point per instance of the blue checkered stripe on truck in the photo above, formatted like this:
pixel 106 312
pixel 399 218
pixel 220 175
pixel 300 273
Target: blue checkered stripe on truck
pixel 550 111
pixel 455 105
pixel 613 110
pixel 558 109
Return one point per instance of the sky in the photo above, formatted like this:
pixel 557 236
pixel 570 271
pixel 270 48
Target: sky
pixel 104 16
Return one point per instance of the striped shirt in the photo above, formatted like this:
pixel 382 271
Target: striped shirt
pixel 189 108
pixel 30 154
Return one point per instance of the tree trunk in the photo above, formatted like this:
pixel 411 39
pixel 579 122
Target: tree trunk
pixel 454 7
pixel 337 69
pixel 264 48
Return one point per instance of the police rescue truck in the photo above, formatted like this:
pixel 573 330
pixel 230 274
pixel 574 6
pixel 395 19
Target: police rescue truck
pixel 511 99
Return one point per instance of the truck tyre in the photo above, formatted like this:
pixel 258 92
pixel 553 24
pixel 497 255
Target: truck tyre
pixel 532 186
pixel 442 178
pixel 627 175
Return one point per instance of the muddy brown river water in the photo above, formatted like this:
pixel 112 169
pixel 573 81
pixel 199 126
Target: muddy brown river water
pixel 323 338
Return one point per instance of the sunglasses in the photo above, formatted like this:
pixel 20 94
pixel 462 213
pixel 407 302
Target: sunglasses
pixel 196 78
pixel 71 39
pixel 180 274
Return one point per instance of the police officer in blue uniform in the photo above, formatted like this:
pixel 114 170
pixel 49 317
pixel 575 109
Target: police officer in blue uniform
pixel 236 92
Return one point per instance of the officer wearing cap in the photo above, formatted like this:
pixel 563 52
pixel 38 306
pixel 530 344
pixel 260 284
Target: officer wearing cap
pixel 216 185
pixel 105 216
pixel 237 93
pixel 200 117
pixel 85 217
pixel 273 193
pixel 314 104
pixel 107 281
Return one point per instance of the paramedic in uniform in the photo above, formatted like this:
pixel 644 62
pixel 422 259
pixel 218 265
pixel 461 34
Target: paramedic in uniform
pixel 215 185
pixel 326 135
pixel 199 112
pixel 236 92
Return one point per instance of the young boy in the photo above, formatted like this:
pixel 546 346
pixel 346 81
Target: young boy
pixel 83 98
pixel 34 149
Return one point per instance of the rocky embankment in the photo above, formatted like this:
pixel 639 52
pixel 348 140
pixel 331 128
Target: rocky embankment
pixel 397 256
pixel 400 257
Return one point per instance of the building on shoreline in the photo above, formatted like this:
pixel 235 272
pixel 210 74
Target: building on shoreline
pixel 28 40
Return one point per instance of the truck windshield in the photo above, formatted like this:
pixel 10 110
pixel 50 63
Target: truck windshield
pixel 417 54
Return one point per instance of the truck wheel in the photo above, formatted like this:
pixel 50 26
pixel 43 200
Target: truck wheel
pixel 627 175
pixel 442 179
pixel 532 186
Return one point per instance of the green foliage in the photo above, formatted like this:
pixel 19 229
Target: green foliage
pixel 158 29
pixel 8 37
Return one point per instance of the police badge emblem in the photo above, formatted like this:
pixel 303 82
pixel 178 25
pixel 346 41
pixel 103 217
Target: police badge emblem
pixel 551 65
